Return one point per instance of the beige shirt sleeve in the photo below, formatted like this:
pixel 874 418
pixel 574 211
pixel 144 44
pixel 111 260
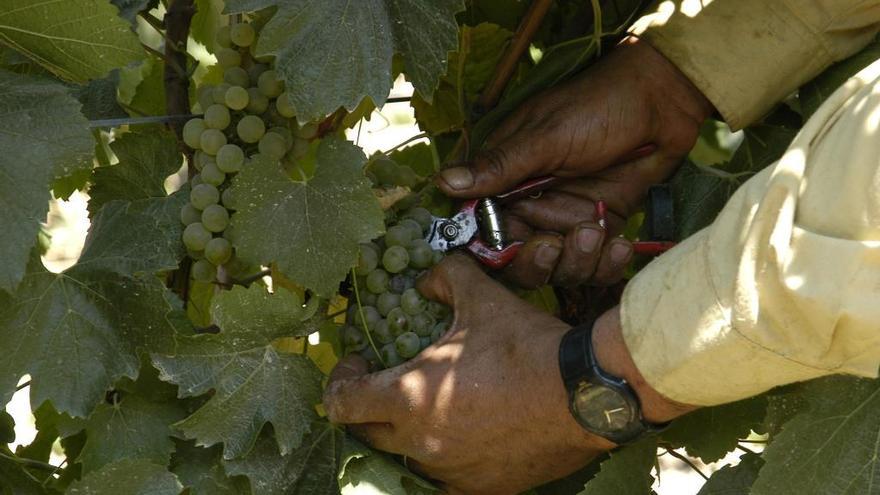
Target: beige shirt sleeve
pixel 747 55
pixel 784 286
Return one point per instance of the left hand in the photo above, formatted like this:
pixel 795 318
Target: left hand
pixel 483 410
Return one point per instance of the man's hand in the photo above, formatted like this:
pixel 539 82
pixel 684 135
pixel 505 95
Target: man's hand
pixel 586 130
pixel 483 410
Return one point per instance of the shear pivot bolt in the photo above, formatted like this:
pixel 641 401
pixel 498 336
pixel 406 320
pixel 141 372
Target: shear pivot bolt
pixel 449 231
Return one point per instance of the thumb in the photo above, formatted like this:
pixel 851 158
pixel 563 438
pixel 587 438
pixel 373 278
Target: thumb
pixel 354 396
pixel 452 280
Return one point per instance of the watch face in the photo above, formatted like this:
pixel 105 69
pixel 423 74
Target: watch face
pixel 603 409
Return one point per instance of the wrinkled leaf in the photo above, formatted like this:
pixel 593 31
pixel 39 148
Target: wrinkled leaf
pixel 628 470
pixel 365 471
pixel 255 311
pixel 129 476
pixel 734 480
pixel 200 471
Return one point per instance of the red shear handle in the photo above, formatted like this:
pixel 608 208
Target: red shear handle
pixel 493 258
pixel 649 248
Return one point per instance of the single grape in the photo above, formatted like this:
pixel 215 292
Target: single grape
pixel 257 101
pixel 215 218
pixel 218 94
pixel 227 197
pixel 368 298
pixel 366 317
pixel 353 337
pixel 415 229
pixel 218 251
pixel 273 146
pixel 421 324
pixel 422 216
pixel 237 98
pixel 196 180
pixel 400 283
pixel 217 117
pixel 369 354
pixel 192 132
pixel 206 96
pixel 204 271
pixel 196 236
pixel 395 259
pixel 398 321
pixel 283 132
pixel 412 302
pixel 424 342
pixel 390 356
pixel 236 76
pixel 242 34
pixel 200 158
pixel 420 254
pixel 211 174
pixel 438 331
pixel 250 129
pixel 377 281
pixel 407 345
pixel 270 84
pixel 190 214
pixel 222 37
pixel 212 140
pixel 386 302
pixel 203 196
pixel 284 106
pixel 406 177
pixel 308 131
pixel 228 57
pixel 398 235
pixel 368 259
pixel 381 332
pixel 254 72
pixel 384 169
pixel 230 159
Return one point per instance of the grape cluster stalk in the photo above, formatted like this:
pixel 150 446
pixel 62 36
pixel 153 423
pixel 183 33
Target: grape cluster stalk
pixel 248 115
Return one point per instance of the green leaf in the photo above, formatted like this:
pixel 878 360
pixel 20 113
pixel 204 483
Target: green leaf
pixel 365 471
pixel 7 428
pixel 133 428
pixel 253 310
pixel 628 471
pixel 14 479
pixel 831 446
pixel 710 433
pixel 311 229
pixel 98 98
pixel 309 470
pixel 41 130
pixel 815 92
pixel 209 17
pixel 145 161
pixel 336 52
pixel 734 480
pixel 129 476
pixel 77 41
pixel 200 471
pixel 420 157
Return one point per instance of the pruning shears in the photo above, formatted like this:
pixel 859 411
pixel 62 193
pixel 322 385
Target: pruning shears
pixel 479 227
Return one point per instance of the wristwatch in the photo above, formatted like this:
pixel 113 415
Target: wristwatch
pixel 603 404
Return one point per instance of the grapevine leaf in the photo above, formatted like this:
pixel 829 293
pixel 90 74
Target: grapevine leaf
pixel 311 229
pixel 76 41
pixel 14 479
pixel 309 470
pixel 710 433
pixel 41 131
pixel 133 428
pixel 253 310
pixel 98 98
pixel 628 470
pixel 829 447
pixel 209 17
pixel 145 161
pixel 129 9
pixel 336 52
pixel 128 476
pixel 200 471
pixel 365 471
pixel 734 480
pixel 46 424
pixel 815 92
pixel 7 428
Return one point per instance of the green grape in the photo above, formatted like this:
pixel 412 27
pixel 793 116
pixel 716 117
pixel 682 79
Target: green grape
pixel 353 337
pixel 415 229
pixel 369 354
pixel 204 271
pixel 254 72
pixel 201 158
pixel 236 76
pixel 230 158
pixel 424 342
pixel 385 171
pixel 407 345
pixel 368 298
pixel 272 146
pixel 422 216
pixel 242 34
pixel 218 251
pixel 398 235
pixel 412 302
pixel 437 310
pixel 204 195
pixel 438 331
pixel 398 321
pixel 420 254
pixel 390 356
pixel 211 141
pixel 206 96
pixel 377 281
pixel 211 174
pixel 386 302
pixel 215 218
pixel 368 259
pixel 395 259
pixel 196 180
pixel 222 37
pixel 366 317
pixel 190 214
pixel 250 129
pixel 195 255
pixel 400 283
pixel 257 101
pixel 284 106
pixel 308 131
pixel 237 98
pixel 421 323
pixel 219 94
pixel 228 199
pixel 381 332
pixel 229 233
pixel 406 177
pixel 228 57
pixel 196 236
pixel 269 84
pixel 438 257
pixel 283 132
pixel 192 132
pixel 217 117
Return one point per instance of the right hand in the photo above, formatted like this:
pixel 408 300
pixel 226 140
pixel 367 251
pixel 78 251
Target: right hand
pixel 586 130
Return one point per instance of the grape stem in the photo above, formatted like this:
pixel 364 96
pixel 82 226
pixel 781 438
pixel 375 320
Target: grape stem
pixel 357 297
pixel 687 461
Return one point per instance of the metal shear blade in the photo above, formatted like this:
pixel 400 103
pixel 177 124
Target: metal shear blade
pixel 449 233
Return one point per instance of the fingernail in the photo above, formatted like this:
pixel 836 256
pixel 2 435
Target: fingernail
pixel 458 177
pixel 545 256
pixel 588 239
pixel 620 253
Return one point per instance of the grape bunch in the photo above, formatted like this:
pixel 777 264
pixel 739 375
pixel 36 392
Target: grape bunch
pixel 246 115
pixel 391 312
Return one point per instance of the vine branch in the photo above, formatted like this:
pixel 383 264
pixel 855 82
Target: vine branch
pixel 687 461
